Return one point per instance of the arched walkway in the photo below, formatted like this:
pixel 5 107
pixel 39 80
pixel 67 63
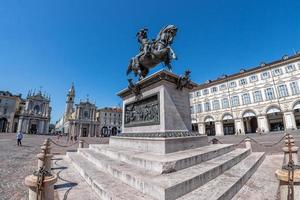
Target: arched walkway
pixel 3 124
pixel 104 131
pixel 296 109
pixel 210 128
pixel 228 124
pixel 33 127
pixel 114 131
pixel 250 121
pixel 275 119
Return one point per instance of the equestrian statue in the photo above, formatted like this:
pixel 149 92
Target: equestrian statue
pixel 153 52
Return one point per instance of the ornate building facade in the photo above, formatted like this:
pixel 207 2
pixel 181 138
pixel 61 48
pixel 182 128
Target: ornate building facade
pixel 110 120
pixel 86 120
pixel 10 109
pixel 30 115
pixel 265 99
pixel 35 115
pixel 80 119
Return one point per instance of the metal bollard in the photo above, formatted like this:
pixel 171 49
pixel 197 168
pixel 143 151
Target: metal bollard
pixel 248 144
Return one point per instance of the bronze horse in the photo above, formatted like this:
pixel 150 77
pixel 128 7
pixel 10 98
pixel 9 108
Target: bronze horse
pixel 153 52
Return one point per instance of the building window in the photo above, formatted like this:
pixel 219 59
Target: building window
pixel 205 92
pixel 277 72
pixel 246 99
pixel 253 78
pixel 222 87
pixel 290 68
pixel 198 94
pixel 282 91
pixel 265 75
pixel 232 84
pixel 207 106
pixel 269 92
pixel 225 103
pixel 216 104
pixel 243 81
pixel 5 111
pixel 199 108
pixel 295 87
pixel 257 96
pixel 214 89
pixel 235 101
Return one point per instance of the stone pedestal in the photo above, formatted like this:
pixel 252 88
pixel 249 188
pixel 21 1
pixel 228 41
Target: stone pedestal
pixel 159 144
pixel 157 116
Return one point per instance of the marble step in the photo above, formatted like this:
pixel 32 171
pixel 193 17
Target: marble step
pixel 263 184
pixel 165 186
pixel 105 186
pixel 162 163
pixel 225 186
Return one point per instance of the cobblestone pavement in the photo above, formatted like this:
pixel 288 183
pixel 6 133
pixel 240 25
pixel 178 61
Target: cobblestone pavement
pixel 18 162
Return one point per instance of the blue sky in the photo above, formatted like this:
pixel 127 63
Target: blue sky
pixel 49 44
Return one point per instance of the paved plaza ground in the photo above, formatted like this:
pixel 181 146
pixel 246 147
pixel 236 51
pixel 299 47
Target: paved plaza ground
pixel 18 162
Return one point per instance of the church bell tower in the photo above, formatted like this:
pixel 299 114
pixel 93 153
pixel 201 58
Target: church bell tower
pixel 70 101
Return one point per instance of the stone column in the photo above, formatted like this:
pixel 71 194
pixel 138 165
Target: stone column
pixel 263 123
pixel 46 127
pixel 239 125
pixel 219 128
pixel 201 128
pixel 27 126
pixel 289 119
pixel 20 124
pixel 80 130
pixel 41 127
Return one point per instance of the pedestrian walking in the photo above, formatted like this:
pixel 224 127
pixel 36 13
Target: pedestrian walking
pixel 258 131
pixel 19 138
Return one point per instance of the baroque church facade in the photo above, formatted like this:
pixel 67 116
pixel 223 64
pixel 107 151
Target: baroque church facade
pixel 30 115
pixel 84 119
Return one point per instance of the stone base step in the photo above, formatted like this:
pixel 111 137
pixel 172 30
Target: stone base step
pixel 225 186
pixel 263 184
pixel 106 186
pixel 166 186
pixel 163 163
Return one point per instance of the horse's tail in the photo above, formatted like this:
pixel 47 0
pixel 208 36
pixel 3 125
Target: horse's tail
pixel 129 68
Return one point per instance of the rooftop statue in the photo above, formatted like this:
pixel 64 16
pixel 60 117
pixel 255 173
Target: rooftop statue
pixel 153 52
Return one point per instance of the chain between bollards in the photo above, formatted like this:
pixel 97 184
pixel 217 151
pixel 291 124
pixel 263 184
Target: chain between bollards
pixel 41 182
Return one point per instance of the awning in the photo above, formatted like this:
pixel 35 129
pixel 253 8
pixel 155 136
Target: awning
pixel 248 114
pixel 273 110
pixel 209 119
pixel 297 106
pixel 227 117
